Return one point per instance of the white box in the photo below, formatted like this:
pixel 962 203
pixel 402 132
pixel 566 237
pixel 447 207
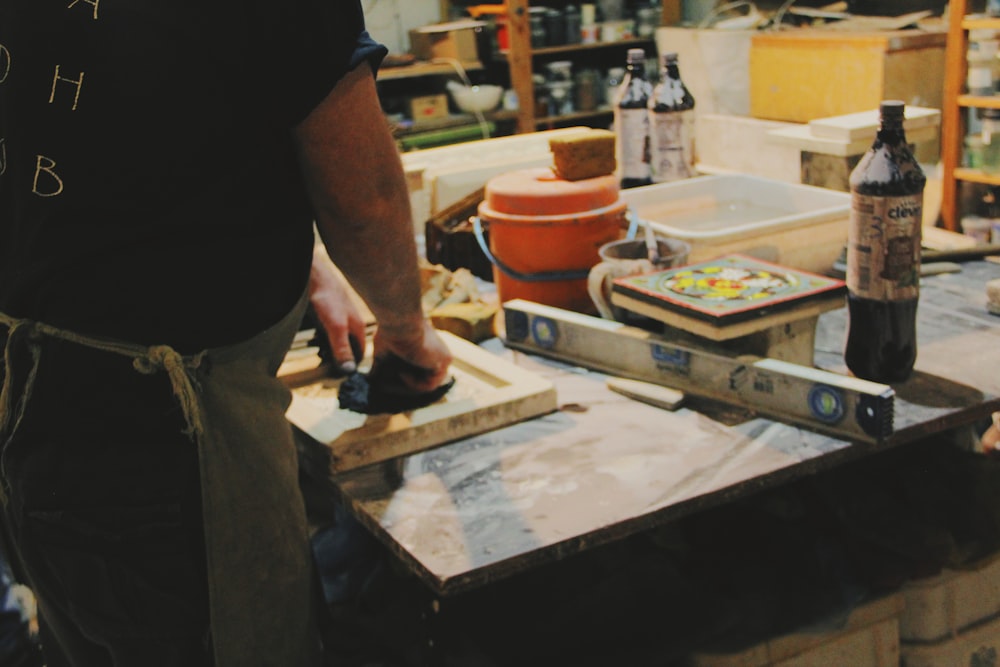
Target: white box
pixel 800 226
pixel 976 647
pixel 942 606
pixel 868 637
pixel 743 145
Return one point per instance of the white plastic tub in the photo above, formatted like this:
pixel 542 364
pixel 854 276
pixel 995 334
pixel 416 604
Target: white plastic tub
pixel 801 226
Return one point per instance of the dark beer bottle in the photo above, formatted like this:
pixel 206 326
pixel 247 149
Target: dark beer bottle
pixel 883 254
pixel 671 125
pixel 632 122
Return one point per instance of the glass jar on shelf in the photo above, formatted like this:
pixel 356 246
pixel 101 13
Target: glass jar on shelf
pixel 990 134
pixel 536 23
pixel 983 65
pixel 973 155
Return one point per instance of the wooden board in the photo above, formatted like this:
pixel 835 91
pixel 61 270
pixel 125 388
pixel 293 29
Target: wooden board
pixel 863 125
pixel 488 393
pixel 729 296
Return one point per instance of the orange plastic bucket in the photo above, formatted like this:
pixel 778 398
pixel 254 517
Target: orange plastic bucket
pixel 545 232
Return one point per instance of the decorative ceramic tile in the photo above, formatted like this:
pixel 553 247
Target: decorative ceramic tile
pixel 731 288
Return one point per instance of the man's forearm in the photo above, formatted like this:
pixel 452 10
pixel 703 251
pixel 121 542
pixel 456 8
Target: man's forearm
pixel 362 205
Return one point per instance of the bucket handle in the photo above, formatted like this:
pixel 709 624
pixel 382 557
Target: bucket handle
pixel 543 276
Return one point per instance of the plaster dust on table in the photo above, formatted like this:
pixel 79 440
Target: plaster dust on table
pixel 553 491
pixel 666 469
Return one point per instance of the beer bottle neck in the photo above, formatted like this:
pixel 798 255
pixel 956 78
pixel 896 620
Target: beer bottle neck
pixel 891 130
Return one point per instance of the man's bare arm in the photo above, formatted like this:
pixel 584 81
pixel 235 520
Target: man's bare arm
pixel 358 189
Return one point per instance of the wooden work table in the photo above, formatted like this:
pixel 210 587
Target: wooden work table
pixel 604 467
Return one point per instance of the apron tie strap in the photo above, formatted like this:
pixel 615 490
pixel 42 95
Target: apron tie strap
pixel 164 357
pixel 21 334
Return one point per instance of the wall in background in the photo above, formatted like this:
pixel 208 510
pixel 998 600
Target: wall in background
pixel 390 21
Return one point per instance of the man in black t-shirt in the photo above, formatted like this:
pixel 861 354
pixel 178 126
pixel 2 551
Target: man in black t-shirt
pixel 161 167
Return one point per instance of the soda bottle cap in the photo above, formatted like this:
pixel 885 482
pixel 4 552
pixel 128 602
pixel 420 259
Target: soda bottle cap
pixel 670 57
pixel 636 55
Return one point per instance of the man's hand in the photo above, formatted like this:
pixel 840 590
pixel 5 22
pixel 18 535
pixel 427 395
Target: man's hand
pixel 337 313
pixel 421 347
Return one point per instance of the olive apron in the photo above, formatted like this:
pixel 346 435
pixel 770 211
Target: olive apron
pixel 256 540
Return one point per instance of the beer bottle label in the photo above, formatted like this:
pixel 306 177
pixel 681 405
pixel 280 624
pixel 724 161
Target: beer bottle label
pixel 634 137
pixel 884 247
pixel 672 137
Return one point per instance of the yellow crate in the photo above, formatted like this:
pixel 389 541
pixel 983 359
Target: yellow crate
pixel 802 75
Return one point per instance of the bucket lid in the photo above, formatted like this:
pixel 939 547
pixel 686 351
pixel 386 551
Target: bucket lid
pixel 539 191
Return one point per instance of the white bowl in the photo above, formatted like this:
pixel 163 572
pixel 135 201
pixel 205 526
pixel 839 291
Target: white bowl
pixel 476 98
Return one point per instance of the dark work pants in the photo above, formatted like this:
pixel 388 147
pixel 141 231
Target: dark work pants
pixel 104 512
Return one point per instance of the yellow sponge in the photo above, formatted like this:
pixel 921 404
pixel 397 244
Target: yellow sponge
pixel 472 320
pixel 585 155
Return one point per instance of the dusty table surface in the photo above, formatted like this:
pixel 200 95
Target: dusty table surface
pixel 604 466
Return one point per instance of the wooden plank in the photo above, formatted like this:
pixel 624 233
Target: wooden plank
pixel 863 125
pixel 647 392
pixel 488 393
pixel 808 310
pixel 520 63
pixel 869 23
pixel 952 121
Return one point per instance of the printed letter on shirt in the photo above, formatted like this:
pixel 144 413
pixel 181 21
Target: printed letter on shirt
pixel 44 167
pixel 3 156
pixel 94 3
pixel 4 63
pixel 55 81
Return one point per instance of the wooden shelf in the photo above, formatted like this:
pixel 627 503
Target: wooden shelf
pixel 456 120
pixel 569 49
pixel 977 22
pixel 979 101
pixel 956 102
pixel 423 69
pixel 520 57
pixel 572 117
pixel 975 176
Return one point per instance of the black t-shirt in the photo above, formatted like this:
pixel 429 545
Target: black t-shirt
pixel 148 185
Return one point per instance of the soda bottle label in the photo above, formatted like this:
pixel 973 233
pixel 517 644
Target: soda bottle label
pixel 884 237
pixel 634 139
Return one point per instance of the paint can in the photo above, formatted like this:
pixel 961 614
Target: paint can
pixel 545 234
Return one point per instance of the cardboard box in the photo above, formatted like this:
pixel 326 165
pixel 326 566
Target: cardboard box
pixel 429 107
pixel 455 40
pixel 806 74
